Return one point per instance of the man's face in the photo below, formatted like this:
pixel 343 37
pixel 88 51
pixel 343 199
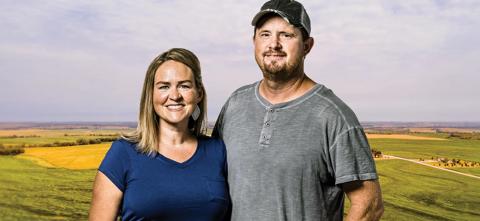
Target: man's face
pixel 279 49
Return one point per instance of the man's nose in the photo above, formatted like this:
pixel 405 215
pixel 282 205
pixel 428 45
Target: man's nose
pixel 274 43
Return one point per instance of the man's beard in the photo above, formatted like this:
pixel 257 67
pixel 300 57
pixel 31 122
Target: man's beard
pixel 277 71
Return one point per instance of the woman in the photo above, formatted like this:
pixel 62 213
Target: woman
pixel 166 169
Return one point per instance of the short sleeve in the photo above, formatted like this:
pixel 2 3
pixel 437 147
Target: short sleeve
pixel 116 163
pixel 351 157
pixel 218 128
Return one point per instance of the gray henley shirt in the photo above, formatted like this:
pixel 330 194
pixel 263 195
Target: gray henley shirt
pixel 286 161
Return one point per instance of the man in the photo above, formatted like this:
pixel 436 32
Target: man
pixel 293 147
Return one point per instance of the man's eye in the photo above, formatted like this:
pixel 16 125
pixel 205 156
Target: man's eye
pixel 287 35
pixel 263 35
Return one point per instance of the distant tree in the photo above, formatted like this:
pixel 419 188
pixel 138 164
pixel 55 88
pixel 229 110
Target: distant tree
pixel 82 141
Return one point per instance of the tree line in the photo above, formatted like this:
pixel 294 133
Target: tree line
pixel 19 148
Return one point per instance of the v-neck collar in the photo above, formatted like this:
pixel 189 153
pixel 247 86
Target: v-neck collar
pixel 198 151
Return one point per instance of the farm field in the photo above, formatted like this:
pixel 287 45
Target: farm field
pixel 401 137
pixel 415 192
pixel 32 192
pixel 415 149
pixel 54 183
pixel 426 149
pixel 473 171
pixel 73 157
pixel 44 136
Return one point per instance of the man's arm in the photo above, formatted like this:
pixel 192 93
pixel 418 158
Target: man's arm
pixel 218 128
pixel 365 200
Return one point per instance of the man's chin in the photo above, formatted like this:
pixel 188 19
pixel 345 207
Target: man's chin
pixel 275 74
pixel 275 69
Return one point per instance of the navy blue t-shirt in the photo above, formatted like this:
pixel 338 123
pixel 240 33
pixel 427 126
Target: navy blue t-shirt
pixel 158 188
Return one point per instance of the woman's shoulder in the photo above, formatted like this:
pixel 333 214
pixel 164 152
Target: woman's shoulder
pixel 211 141
pixel 212 144
pixel 123 145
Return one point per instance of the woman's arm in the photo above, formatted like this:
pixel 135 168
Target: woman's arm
pixel 106 199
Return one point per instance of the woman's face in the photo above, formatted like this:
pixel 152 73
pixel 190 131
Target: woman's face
pixel 175 94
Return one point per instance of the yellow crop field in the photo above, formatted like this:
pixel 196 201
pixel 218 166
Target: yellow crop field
pixel 401 137
pixel 73 157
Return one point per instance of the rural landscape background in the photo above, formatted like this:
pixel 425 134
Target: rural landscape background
pixel 71 74
pixel 428 171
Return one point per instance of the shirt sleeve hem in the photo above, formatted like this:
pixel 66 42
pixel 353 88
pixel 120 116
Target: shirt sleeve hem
pixel 349 178
pixel 113 179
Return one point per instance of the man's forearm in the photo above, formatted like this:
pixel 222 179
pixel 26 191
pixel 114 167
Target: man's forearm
pixel 365 200
pixel 370 212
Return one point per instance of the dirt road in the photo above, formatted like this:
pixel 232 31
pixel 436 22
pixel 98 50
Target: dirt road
pixel 428 165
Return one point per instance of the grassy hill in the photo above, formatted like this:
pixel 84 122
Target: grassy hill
pixel 415 192
pixel 32 192
pixel 61 188
pixel 415 149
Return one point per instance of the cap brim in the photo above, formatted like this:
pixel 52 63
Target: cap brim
pixel 265 12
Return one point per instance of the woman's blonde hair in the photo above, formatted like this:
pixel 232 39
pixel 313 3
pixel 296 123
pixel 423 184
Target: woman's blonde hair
pixel 147 133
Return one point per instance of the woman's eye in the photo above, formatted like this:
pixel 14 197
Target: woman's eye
pixel 184 86
pixel 163 87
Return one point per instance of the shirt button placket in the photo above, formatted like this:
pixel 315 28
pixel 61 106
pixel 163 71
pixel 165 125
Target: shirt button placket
pixel 267 130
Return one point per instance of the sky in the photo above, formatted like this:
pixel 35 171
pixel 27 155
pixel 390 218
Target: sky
pixel 392 60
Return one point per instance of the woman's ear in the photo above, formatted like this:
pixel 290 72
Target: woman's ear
pixel 199 95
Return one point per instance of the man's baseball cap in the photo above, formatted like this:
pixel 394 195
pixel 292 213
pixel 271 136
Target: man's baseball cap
pixel 290 10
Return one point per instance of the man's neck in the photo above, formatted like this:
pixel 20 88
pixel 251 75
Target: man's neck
pixel 277 92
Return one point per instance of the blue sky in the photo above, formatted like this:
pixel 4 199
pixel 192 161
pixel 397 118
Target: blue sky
pixel 404 60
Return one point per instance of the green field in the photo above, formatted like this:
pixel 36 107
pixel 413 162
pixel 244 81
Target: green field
pixel 415 149
pixel 32 192
pixel 415 192
pixel 473 171
pixel 39 136
pixel 411 192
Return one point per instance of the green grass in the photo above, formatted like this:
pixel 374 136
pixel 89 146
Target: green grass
pixel 473 171
pixel 411 192
pixel 31 192
pixel 43 140
pixel 415 149
pixel 414 192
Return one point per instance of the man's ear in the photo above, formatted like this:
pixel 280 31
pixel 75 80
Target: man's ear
pixel 308 45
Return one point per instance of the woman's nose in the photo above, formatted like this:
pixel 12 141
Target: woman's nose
pixel 174 94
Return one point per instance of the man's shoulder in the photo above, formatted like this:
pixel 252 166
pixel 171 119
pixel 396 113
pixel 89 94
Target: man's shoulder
pixel 242 94
pixel 334 107
pixel 244 89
